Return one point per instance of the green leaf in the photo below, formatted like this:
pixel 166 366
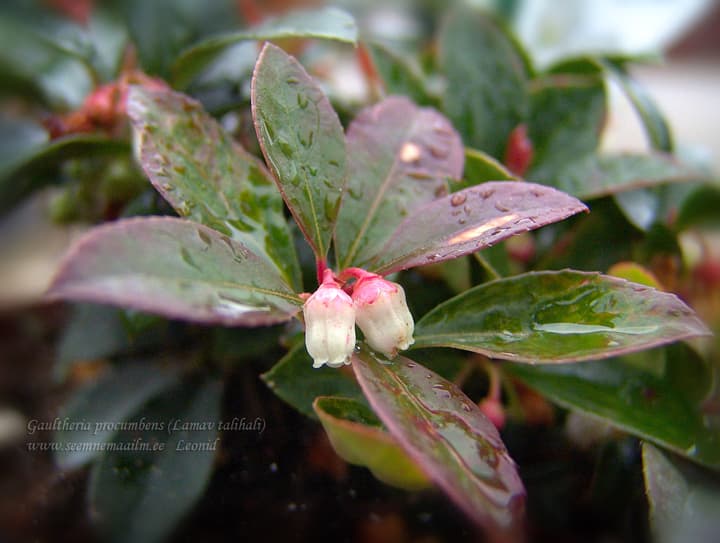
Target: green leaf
pixel 656 126
pixel 654 123
pixel 566 119
pixel 470 220
pixel 486 95
pixel 357 436
pixel 162 28
pixel 99 408
pixel 553 317
pixel 700 208
pixel 600 175
pixel 140 495
pixel 93 331
pixel 399 75
pixel 175 268
pixel 661 402
pixel 684 499
pixel 295 381
pixel 303 142
pixel 29 159
pixel 209 178
pixel 479 168
pixel 328 23
pixel 448 436
pixel 399 158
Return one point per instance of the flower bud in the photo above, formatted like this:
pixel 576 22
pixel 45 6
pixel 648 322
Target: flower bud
pixel 329 325
pixel 383 315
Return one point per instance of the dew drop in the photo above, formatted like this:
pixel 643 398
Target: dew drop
pixel 411 364
pixel 188 259
pixel 167 187
pixel 428 376
pixel 458 199
pixel 292 80
pixel 355 192
pixel 302 101
pixel 439 152
pixel 467 210
pixel 207 240
pixel 286 148
pixel 462 221
pixel 180 169
pixel 466 408
pixel 501 207
pixel 441 390
pixel 330 206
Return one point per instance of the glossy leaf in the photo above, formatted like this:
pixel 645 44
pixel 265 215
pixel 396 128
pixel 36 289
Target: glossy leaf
pixel 659 400
pixel 103 405
pixel 175 268
pixel 553 317
pixel 448 436
pixel 328 23
pixel 566 119
pixel 295 381
pixel 303 142
pixel 209 178
pixel 470 220
pixel 481 167
pixel 600 175
pixel 486 95
pixel 141 495
pixel 684 503
pixel 399 158
pixel 399 75
pixel 357 436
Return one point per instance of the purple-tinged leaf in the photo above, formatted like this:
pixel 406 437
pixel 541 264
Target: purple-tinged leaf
pixel 175 268
pixel 303 142
pixel 470 220
pixel 449 437
pixel 209 178
pixel 400 157
pixel 558 316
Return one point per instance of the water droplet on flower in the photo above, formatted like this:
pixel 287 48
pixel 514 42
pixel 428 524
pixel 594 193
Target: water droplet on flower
pixel 355 192
pixel 500 207
pixel 302 101
pixel 207 240
pixel 292 80
pixel 411 364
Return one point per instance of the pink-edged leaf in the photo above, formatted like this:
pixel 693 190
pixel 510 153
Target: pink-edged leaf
pixel 400 157
pixel 303 142
pixel 208 177
pixel 472 219
pixel 554 317
pixel 176 268
pixel 449 437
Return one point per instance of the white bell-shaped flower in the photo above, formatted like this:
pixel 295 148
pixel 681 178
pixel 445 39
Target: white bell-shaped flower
pixel 382 314
pixel 329 325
